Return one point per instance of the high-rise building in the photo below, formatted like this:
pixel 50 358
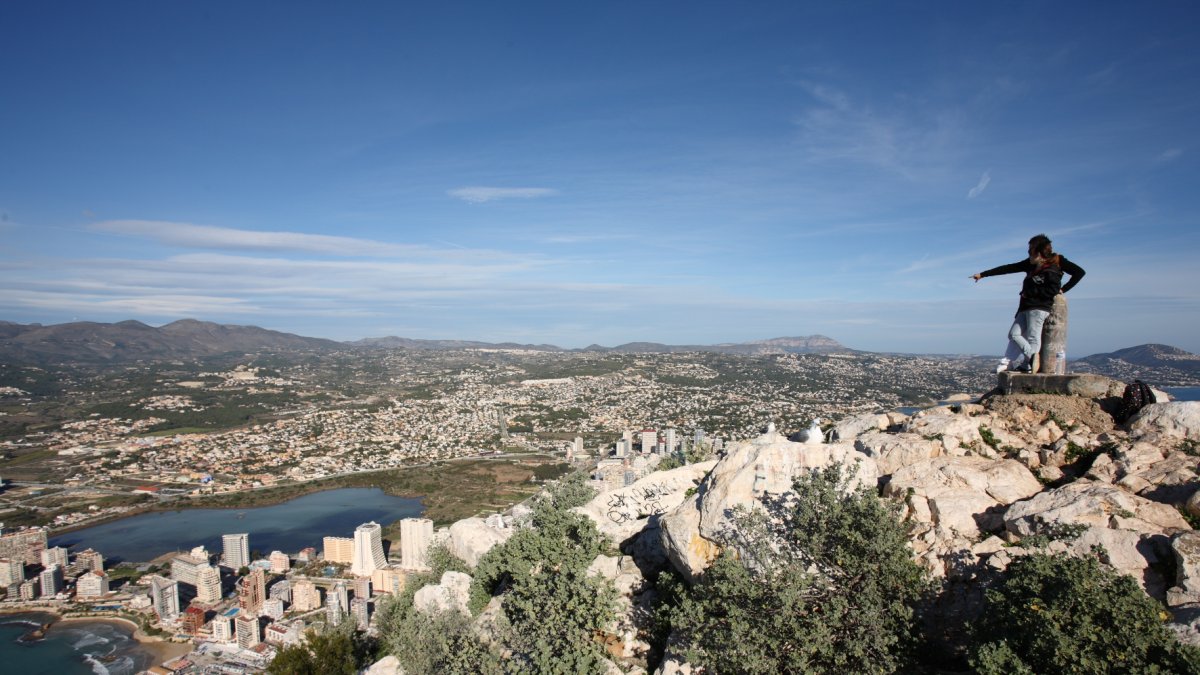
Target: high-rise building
pixel 360 610
pixel 415 534
pixel 164 595
pixel 92 584
pixel 339 550
pixel 252 590
pixel 336 604
pixel 208 585
pixel 222 631
pixel 669 441
pixel 237 550
pixel 280 563
pixel 89 559
pixel 51 580
pixel 24 545
pixel 282 590
pixel 368 549
pixel 273 607
pixel 186 569
pixel 191 620
pixel 12 571
pixel 649 440
pixel 362 587
pixel 54 556
pixel 388 580
pixel 246 629
pixel 305 596
pixel 29 589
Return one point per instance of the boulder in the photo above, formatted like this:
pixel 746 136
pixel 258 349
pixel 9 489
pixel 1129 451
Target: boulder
pixel 1131 530
pixel 388 665
pixel 1185 546
pixel 856 425
pixel 622 513
pixel 956 433
pixel 451 594
pixel 470 538
pixel 893 451
pixel 960 496
pixel 750 470
pixel 1179 420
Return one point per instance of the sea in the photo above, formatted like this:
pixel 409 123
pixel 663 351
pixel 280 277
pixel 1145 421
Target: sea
pixel 68 648
pixel 290 526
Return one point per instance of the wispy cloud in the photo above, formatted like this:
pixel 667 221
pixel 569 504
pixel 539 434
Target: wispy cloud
pixel 188 235
pixel 479 194
pixel 1169 154
pixel 981 185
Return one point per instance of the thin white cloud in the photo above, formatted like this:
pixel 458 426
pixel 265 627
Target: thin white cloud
pixel 1169 154
pixel 188 235
pixel 981 185
pixel 479 194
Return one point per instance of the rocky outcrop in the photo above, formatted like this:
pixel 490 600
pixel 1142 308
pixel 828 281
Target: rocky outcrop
pixel 470 538
pixel 622 513
pixel 1178 420
pixel 951 501
pixel 450 595
pixel 693 531
pixel 1132 531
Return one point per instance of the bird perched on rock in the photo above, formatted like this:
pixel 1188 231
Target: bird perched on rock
pixel 813 434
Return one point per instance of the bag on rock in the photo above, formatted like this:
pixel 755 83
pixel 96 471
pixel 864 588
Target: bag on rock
pixel 1136 396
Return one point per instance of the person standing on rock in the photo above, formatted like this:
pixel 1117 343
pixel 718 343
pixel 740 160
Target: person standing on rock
pixel 1043 271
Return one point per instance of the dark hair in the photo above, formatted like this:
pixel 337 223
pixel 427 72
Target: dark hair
pixel 1040 244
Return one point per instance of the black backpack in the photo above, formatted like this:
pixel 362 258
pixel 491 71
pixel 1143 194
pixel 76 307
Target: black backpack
pixel 1137 395
pixel 1045 283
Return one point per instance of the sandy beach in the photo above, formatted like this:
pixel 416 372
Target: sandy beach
pixel 162 650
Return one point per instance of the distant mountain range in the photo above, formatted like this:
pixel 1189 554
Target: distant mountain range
pixel 128 341
pixel 1143 356
pixel 87 342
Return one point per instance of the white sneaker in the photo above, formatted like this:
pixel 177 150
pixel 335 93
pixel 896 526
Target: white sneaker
pixel 1003 366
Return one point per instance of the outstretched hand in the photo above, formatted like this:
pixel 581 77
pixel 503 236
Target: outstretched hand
pixel 976 277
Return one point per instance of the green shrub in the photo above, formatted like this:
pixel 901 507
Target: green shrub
pixel 333 651
pixel 553 608
pixel 824 584
pixel 1060 614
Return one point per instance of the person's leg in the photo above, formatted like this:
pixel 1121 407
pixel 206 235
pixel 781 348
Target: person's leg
pixel 1018 347
pixel 1033 330
pixel 1033 336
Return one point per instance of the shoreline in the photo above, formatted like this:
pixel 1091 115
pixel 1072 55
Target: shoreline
pixel 161 650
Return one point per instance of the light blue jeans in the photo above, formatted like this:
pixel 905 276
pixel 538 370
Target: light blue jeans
pixel 1025 336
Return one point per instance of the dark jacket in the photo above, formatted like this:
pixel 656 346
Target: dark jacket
pixel 1036 275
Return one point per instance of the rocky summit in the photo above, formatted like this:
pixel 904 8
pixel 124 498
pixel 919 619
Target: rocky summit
pixel 978 484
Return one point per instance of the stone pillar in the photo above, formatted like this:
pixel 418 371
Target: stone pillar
pixel 1054 335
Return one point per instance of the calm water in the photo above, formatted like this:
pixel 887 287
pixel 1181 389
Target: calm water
pixel 287 527
pixel 69 648
pixel 1184 393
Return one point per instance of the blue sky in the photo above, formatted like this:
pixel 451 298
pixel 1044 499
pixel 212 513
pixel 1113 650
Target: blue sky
pixel 579 173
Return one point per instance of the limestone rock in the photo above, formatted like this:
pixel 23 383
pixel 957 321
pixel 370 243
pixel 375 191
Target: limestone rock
pixel 626 576
pixel 1186 548
pixel 853 427
pixel 956 433
pixel 1132 530
pixel 1179 420
pixel 1093 504
pixel 893 451
pixel 470 538
pixel 691 532
pixel 622 513
pixel 451 594
pixel 388 665
pixel 959 496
